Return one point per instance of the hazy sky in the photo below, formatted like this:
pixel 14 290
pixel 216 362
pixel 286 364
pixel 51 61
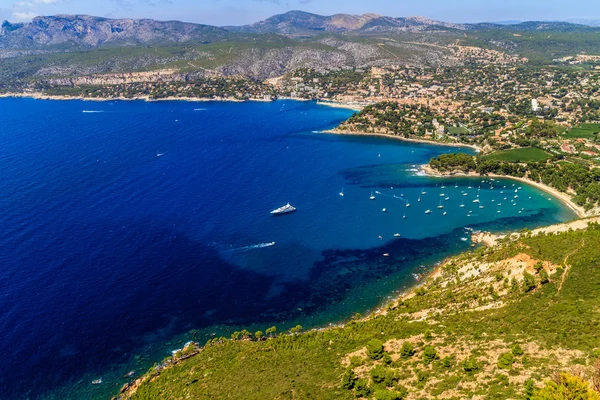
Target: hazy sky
pixel 237 12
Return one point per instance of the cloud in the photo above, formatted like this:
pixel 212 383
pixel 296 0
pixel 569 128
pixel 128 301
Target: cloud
pixel 23 15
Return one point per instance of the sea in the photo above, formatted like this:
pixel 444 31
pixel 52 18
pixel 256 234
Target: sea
pixel 129 228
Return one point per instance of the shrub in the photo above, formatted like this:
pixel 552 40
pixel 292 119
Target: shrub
pixel 375 349
pixel 517 350
pixel 447 362
pixel 386 358
pixel 407 350
pixel 390 395
pixel 529 389
pixel 506 360
pixel 470 365
pixel 565 387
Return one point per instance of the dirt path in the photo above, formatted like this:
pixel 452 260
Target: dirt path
pixel 568 266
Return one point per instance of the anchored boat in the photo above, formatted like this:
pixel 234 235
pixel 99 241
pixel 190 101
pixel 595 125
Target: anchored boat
pixel 288 208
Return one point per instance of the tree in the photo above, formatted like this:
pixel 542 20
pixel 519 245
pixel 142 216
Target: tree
pixel 259 335
pixel 429 354
pixel 378 374
pixel 296 329
pixel 348 379
pixel 565 387
pixel 362 388
pixel 427 335
pixel 528 282
pixel 544 278
pixel 375 349
pixel 271 331
pixel 407 350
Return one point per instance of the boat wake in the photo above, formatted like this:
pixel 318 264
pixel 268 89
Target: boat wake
pixel 200 109
pixel 253 247
pixel 92 111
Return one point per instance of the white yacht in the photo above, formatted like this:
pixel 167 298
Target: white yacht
pixel 288 208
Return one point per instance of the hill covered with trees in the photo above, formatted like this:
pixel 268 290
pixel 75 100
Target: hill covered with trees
pixel 519 320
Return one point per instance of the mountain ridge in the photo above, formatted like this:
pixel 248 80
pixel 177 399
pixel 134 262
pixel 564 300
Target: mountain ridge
pixel 91 31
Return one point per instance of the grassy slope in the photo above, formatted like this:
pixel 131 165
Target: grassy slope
pixel 467 320
pixel 528 154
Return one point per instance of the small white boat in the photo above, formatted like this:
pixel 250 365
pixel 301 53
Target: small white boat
pixel 407 204
pixel 480 206
pixel 476 201
pixel 383 210
pixel 464 239
pixel 404 217
pixel 428 212
pixel 465 194
pixel 97 381
pixel 447 198
pixel 342 192
pixel 419 199
pixel 372 196
pixel 445 213
pixel 443 187
pixel 397 235
pixel 386 254
pixel 516 197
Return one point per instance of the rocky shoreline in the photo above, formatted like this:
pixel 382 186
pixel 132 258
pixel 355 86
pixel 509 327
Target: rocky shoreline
pixel 337 131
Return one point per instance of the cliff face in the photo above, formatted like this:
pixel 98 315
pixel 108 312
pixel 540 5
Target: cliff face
pixel 87 31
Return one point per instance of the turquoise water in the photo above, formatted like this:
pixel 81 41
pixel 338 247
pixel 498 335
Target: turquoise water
pixel 128 225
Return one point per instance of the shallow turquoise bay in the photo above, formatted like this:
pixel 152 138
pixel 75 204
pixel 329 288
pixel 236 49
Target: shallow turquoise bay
pixel 126 225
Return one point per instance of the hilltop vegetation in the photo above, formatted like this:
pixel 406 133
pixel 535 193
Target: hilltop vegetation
pixel 495 323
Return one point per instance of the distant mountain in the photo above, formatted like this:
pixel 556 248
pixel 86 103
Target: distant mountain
pixel 87 31
pixel 583 21
pixel 301 23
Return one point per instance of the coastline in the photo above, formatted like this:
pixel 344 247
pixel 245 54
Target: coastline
pixel 42 96
pixel 564 197
pixel 413 140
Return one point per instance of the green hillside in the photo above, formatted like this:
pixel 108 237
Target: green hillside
pixel 495 323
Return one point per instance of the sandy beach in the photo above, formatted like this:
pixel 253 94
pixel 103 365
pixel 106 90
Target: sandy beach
pixel 564 197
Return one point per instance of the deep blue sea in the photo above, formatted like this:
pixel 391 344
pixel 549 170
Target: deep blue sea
pixel 128 228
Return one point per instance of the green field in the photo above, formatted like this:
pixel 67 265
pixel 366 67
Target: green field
pixel 585 131
pixel 457 130
pixel 526 154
